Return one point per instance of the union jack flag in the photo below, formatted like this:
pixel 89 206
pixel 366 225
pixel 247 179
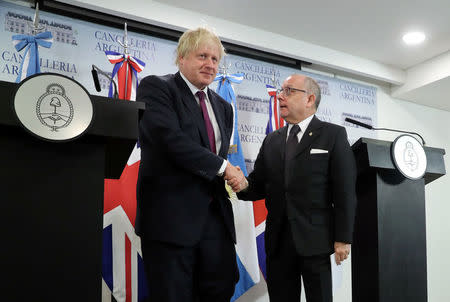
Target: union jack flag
pixel 123 270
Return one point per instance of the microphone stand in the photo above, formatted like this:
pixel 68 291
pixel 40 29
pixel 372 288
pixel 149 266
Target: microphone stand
pixel 401 131
pixel 364 125
pixel 115 94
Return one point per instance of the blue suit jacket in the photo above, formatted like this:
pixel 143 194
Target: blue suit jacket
pixel 177 174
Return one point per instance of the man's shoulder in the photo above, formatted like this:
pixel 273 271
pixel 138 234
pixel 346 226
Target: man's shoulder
pixel 219 99
pixel 332 127
pixel 216 95
pixel 168 78
pixel 334 131
pixel 275 134
pixel 153 86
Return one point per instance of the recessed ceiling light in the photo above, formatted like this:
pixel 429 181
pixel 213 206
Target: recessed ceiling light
pixel 414 38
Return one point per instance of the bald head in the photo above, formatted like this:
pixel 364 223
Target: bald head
pixel 310 85
pixel 299 98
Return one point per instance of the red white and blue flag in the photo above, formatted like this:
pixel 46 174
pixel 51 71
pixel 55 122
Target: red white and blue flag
pixel 275 121
pixel 259 207
pixel 124 74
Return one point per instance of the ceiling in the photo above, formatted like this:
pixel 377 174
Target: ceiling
pixel 367 29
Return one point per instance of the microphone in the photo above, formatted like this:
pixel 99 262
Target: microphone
pixel 96 81
pixel 364 125
pixel 95 70
pixel 350 120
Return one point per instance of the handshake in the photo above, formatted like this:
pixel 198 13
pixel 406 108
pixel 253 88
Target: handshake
pixel 235 178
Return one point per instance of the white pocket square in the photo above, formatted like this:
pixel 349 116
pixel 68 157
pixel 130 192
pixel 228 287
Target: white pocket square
pixel 317 151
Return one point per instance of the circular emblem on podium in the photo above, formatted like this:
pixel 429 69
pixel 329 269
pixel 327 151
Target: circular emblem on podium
pixel 53 107
pixel 409 156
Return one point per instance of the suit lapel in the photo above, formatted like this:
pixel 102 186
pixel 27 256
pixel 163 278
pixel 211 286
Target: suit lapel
pixel 310 135
pixel 282 136
pixel 192 105
pixel 219 115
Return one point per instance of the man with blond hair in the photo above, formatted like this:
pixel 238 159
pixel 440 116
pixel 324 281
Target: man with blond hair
pixel 184 216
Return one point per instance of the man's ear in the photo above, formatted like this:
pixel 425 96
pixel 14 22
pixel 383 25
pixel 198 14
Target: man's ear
pixel 311 101
pixel 180 60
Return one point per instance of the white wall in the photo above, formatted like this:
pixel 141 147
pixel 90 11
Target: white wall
pixel 434 126
pixel 431 123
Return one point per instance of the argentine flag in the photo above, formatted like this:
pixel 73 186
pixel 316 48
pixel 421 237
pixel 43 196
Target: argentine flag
pixel 247 257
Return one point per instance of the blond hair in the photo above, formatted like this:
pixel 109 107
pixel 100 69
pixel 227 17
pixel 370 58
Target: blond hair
pixel 192 39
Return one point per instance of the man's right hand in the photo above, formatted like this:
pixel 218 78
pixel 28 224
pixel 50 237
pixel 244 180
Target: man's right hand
pixel 235 178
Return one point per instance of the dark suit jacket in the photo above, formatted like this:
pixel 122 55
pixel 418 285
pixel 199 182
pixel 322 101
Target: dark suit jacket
pixel 177 174
pixel 316 193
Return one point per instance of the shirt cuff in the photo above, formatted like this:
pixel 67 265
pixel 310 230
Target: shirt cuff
pixel 246 185
pixel 222 168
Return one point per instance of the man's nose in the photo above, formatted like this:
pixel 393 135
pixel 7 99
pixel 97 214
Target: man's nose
pixel 209 62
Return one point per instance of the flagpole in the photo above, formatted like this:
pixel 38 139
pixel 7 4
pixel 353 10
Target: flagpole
pixel 125 47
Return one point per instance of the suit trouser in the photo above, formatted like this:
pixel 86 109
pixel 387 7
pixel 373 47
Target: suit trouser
pixel 204 272
pixel 285 268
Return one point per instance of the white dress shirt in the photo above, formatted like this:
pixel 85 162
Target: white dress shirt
pixel 303 125
pixel 212 117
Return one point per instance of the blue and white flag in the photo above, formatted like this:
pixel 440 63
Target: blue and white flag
pixel 30 62
pixel 247 257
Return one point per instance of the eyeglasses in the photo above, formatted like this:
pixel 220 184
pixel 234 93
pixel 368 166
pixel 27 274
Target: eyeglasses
pixel 288 90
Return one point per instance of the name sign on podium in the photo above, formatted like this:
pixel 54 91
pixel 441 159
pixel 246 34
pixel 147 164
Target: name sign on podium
pixel 53 107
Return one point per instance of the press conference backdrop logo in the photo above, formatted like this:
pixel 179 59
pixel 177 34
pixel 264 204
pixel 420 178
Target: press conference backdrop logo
pixel 53 107
pixel 409 157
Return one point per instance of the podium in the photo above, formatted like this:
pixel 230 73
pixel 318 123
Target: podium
pixel 52 202
pixel 389 245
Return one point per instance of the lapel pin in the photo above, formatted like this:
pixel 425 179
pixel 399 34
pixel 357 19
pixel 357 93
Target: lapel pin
pixel 310 134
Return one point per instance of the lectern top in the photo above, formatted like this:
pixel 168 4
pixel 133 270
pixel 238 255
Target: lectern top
pixel 376 154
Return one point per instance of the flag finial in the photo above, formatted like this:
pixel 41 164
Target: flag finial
pixel 223 69
pixel 35 27
pixel 273 78
pixel 125 40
